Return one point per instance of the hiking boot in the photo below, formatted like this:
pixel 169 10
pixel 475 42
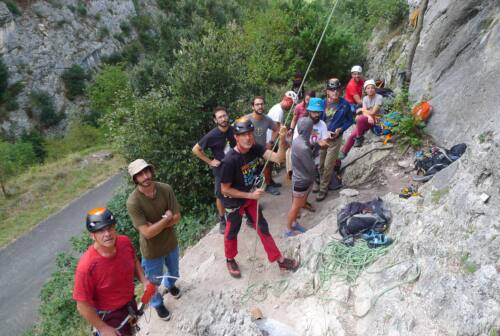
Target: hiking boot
pixel 315 188
pixel 288 265
pixel 272 190
pixel 321 196
pixel 358 142
pixel 222 225
pixel 175 292
pixel 163 312
pixel 233 268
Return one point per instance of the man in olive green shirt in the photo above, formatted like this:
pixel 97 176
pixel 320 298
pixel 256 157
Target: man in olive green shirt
pixel 154 211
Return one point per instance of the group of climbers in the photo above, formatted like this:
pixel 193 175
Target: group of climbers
pixel 241 154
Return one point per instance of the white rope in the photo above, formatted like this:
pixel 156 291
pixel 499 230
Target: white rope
pixel 289 113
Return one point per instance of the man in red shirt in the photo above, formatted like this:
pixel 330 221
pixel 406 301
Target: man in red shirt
pixel 104 277
pixel 354 89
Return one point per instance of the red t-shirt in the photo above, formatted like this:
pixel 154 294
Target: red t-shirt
pixel 352 89
pixel 300 110
pixel 106 283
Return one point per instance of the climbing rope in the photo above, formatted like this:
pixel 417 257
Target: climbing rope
pixel 260 178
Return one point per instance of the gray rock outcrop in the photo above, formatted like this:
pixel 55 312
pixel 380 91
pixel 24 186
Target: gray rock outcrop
pixel 49 37
pixel 456 66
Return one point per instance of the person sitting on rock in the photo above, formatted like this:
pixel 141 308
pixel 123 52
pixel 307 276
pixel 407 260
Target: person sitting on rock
pixel 303 169
pixel 354 89
pixel 367 118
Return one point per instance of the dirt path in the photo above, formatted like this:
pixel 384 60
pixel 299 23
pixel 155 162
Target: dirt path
pixel 203 269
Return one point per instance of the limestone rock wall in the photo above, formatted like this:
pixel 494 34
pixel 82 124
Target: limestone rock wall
pixel 456 66
pixel 50 36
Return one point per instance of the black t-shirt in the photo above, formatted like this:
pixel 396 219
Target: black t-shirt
pixel 241 170
pixel 216 140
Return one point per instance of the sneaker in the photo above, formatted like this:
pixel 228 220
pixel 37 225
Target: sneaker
pixel 358 142
pixel 342 155
pixel 233 268
pixel 175 292
pixel 291 233
pixel 163 312
pixel 289 265
pixel 272 190
pixel 297 227
pixel 321 196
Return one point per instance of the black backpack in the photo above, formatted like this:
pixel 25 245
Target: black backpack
pixel 356 218
pixel 436 159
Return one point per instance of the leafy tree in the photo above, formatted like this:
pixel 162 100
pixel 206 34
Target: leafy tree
pixel 16 158
pixel 35 138
pixel 162 126
pixel 110 89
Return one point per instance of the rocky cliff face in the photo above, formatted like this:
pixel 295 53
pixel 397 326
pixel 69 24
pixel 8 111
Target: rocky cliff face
pixel 49 37
pixel 456 66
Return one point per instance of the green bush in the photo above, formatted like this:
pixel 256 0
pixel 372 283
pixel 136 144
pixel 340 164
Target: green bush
pixel 81 8
pixel 35 138
pixel 16 158
pixel 43 106
pixel 102 33
pixel 11 5
pixel 125 27
pixel 4 79
pixel 74 80
pixel 110 89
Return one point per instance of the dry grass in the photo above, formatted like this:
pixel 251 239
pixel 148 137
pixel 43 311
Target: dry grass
pixel 45 189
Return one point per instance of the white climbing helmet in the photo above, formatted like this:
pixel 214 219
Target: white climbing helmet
pixel 293 95
pixel 369 82
pixel 357 68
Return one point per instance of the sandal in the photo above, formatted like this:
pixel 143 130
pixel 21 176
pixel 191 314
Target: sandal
pixel 309 207
pixel 291 233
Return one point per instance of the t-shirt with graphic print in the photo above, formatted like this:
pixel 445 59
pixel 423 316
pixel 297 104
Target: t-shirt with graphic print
pixel 241 170
pixel 217 141
pixel 319 132
pixel 261 127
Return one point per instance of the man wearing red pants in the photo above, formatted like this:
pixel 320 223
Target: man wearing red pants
pixel 238 176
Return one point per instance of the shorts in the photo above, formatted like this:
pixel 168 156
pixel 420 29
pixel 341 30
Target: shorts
pixel 301 192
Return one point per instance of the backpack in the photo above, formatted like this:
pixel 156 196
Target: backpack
pixel 436 158
pixel 356 218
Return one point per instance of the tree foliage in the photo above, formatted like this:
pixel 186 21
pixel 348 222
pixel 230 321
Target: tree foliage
pixel 74 79
pixel 15 158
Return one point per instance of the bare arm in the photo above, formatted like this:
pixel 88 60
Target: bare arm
pixel 294 121
pixel 280 156
pixel 89 313
pixel 357 99
pixel 228 190
pixel 201 155
pixel 149 230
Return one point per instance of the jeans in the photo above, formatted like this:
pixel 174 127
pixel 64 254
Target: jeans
pixel 154 268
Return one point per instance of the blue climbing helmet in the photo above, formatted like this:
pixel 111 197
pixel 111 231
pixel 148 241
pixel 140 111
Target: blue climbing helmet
pixel 316 105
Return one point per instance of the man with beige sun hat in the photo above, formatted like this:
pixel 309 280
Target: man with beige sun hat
pixel 154 211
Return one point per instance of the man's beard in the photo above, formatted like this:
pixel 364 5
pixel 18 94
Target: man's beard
pixel 315 120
